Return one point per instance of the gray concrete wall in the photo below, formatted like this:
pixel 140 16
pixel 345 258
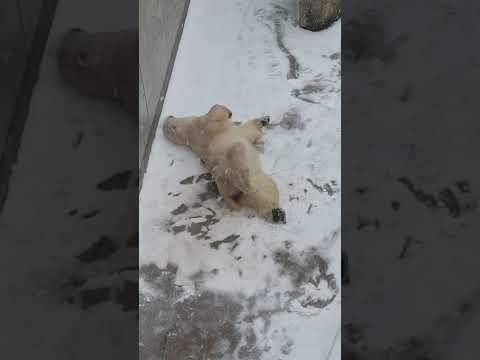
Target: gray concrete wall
pixel 17 28
pixel 160 26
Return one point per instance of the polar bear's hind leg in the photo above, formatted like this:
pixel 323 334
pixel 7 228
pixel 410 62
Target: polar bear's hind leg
pixel 238 171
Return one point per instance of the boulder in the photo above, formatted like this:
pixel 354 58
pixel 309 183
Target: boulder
pixel 315 15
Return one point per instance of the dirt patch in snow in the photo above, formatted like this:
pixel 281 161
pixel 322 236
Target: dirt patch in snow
pixel 275 20
pixel 292 120
pixel 204 324
pixel 309 273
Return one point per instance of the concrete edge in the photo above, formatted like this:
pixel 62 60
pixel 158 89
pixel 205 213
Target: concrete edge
pixel 158 110
pixel 22 103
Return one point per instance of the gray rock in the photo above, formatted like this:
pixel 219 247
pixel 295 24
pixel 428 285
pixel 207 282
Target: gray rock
pixel 315 15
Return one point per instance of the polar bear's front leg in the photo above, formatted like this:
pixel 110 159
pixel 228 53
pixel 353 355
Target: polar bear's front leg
pixel 252 130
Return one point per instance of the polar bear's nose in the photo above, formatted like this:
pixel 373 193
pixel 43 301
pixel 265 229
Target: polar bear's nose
pixel 229 114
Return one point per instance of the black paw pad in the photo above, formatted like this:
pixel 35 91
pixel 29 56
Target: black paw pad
pixel 278 216
pixel 265 120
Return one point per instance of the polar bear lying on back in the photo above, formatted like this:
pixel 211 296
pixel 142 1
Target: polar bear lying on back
pixel 102 65
pixel 228 153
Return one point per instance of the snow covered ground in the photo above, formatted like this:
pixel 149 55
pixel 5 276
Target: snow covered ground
pixel 225 284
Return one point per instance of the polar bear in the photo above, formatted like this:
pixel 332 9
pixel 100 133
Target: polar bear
pixel 102 65
pixel 227 151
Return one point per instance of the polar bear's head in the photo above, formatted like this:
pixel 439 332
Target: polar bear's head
pixel 101 64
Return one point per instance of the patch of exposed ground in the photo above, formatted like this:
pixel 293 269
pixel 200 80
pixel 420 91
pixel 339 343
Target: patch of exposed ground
pixel 330 188
pixel 292 120
pixel 210 325
pixel 197 225
pixel 104 274
pixel 196 219
pixel 203 325
pixel 275 21
pixel 314 89
pixel 455 201
pixel 314 285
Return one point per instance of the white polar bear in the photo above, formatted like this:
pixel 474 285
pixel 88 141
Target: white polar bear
pixel 227 151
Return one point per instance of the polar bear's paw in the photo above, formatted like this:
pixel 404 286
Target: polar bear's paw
pixel 265 120
pixel 279 216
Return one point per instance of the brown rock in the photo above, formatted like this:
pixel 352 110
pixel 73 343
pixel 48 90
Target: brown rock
pixel 315 15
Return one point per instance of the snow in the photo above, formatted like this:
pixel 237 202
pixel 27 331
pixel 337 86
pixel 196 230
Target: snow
pixel 232 53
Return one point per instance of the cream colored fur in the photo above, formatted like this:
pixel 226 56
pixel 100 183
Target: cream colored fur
pixel 227 150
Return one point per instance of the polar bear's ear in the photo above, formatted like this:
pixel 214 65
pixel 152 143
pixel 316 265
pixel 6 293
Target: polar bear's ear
pixel 219 113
